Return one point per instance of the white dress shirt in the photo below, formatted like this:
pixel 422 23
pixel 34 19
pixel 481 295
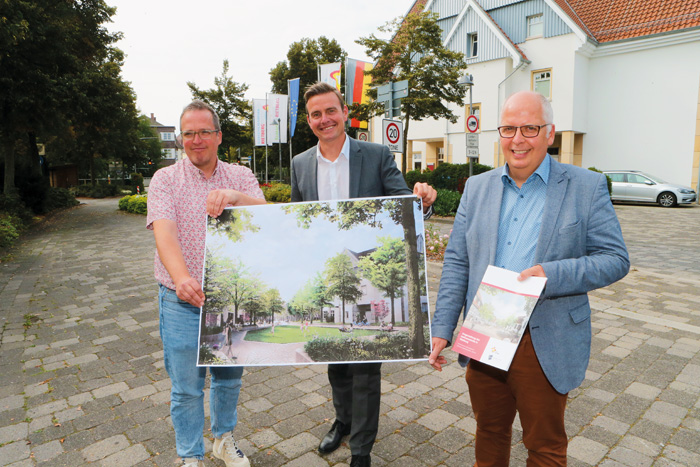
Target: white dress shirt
pixel 333 178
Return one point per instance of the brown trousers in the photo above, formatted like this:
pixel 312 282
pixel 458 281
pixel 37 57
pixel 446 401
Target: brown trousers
pixel 496 395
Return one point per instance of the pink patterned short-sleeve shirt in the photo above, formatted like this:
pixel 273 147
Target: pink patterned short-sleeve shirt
pixel 179 193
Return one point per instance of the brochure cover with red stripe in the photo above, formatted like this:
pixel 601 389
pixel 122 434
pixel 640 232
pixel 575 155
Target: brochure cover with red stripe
pixel 498 316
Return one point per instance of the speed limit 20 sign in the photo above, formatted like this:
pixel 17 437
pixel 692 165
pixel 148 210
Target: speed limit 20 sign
pixel 392 135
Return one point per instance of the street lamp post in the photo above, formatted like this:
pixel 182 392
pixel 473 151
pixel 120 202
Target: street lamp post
pixel 468 81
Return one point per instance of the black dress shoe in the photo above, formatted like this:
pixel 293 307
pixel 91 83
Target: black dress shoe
pixel 331 441
pixel 361 461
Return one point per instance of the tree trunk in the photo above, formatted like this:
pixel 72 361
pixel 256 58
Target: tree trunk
pixel 415 315
pixel 93 180
pixel 404 157
pixel 9 180
pixel 34 161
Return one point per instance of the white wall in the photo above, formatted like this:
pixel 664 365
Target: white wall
pixel 642 111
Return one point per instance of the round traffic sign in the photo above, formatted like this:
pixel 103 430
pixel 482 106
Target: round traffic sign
pixel 362 136
pixel 472 124
pixel 393 134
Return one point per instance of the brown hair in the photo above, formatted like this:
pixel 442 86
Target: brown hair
pixel 319 88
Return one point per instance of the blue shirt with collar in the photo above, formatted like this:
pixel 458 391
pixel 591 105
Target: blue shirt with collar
pixel 521 218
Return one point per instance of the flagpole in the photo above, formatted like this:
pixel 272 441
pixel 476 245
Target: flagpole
pixel 289 116
pixel 267 136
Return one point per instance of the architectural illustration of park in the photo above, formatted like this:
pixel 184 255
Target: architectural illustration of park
pixel 315 282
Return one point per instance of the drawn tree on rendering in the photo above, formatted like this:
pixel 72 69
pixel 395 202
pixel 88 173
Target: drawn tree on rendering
pixel 385 268
pixel 343 281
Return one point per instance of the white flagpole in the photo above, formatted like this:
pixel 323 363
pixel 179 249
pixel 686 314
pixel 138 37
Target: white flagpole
pixel 267 136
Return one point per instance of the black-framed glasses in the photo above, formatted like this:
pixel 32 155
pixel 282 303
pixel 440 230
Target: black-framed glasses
pixel 204 134
pixel 528 131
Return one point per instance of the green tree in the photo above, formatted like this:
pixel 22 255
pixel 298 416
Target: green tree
pixel 343 281
pixel 302 60
pixel 385 268
pixel 234 111
pixel 150 152
pixel 48 51
pixel 319 293
pixel 272 303
pixel 415 53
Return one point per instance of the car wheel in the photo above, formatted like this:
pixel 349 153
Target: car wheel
pixel 667 199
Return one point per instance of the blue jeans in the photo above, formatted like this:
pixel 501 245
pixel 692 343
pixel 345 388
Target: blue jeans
pixel 179 331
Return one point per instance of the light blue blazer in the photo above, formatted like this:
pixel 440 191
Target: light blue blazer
pixel 580 247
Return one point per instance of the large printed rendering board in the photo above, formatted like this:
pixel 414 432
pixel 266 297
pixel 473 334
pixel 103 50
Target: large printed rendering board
pixel 315 282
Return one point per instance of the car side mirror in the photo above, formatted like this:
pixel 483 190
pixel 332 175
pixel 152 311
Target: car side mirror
pixel 649 182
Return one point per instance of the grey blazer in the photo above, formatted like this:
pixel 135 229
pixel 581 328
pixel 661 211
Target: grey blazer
pixel 580 247
pixel 373 172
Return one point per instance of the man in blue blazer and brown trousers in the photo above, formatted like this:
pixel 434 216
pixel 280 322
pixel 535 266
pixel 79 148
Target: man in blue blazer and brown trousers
pixel 540 218
pixel 340 167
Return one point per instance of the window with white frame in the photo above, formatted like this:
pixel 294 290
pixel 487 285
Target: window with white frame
pixel 167 136
pixel 535 25
pixel 168 153
pixel 441 154
pixel 473 45
pixel 542 82
pixel 417 160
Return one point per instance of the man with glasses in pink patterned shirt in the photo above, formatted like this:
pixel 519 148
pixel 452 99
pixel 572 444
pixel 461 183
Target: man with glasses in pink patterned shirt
pixel 179 199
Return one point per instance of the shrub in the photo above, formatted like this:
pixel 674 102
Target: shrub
pixel 446 203
pixel 13 205
pixel 59 198
pixel 277 192
pixel 414 176
pixel 385 346
pixel 607 178
pixel 137 182
pixel 138 204
pixel 452 176
pixel 97 191
pixel 124 203
pixel 435 243
pixel 8 230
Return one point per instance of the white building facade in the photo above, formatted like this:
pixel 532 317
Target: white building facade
pixel 625 94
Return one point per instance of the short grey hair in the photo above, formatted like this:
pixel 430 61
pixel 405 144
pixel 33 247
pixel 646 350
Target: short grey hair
pixel 201 105
pixel 545 105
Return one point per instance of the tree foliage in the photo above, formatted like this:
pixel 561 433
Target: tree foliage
pixel 227 97
pixel 61 85
pixel 303 58
pixel 385 268
pixel 415 53
pixel 343 280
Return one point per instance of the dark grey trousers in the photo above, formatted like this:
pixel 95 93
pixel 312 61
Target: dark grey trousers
pixel 356 394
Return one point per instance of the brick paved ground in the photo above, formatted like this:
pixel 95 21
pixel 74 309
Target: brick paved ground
pixel 82 378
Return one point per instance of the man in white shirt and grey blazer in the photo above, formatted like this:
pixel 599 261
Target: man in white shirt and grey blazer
pixel 340 167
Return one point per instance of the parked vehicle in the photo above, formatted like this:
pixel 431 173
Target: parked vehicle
pixel 633 185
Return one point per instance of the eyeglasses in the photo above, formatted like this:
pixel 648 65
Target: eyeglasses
pixel 528 131
pixel 204 134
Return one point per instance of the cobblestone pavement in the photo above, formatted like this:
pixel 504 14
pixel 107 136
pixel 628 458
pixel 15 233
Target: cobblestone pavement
pixel 82 378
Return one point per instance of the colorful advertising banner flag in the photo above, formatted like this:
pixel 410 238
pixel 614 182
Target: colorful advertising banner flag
pixel 293 85
pixel 330 73
pixel 356 86
pixel 260 122
pixel 276 118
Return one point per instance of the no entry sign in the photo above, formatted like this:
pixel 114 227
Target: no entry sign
pixel 392 135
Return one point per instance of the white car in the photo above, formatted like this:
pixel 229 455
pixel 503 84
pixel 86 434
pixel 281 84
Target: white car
pixel 633 185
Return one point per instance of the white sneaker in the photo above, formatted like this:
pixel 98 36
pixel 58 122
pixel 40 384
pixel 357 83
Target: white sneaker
pixel 226 449
pixel 192 462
